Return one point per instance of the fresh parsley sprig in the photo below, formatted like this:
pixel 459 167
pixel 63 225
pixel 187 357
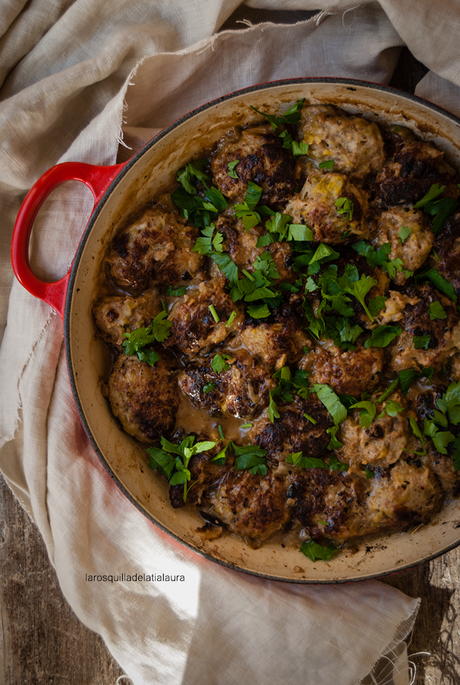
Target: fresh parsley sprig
pixel 315 551
pixel 441 209
pixel 137 340
pixel 247 457
pixel 201 211
pixel 172 460
pixel 291 116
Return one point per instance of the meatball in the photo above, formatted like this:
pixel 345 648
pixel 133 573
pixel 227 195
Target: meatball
pixel 293 431
pixel 261 159
pixel 194 328
pixel 252 506
pixel 354 144
pixel 344 506
pixel 447 247
pixel 415 248
pixel 115 315
pixel 416 167
pixel 154 249
pixel 241 244
pixel 279 338
pixel 317 207
pixel 144 398
pixel 203 472
pixel 349 372
pixel 442 466
pixel 435 339
pixel 381 444
pixel 241 391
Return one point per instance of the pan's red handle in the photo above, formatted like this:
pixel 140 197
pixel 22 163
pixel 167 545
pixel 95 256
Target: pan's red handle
pixel 97 178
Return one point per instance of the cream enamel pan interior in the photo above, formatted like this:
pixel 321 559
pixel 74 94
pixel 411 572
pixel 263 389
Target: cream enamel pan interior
pixel 152 169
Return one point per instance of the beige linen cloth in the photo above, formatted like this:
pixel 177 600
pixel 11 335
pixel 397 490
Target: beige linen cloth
pixel 72 73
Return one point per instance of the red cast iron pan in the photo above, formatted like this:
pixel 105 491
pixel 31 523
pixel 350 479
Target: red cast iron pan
pixel 117 191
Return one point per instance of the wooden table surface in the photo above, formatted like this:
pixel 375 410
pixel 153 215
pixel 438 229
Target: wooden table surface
pixel 43 642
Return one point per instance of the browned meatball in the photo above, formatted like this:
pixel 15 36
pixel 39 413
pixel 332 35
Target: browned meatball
pixel 203 472
pixel 261 159
pixel 344 506
pixel 316 207
pixel 154 249
pixel 383 443
pixel 252 506
pixel 144 398
pixel 447 247
pixel 240 391
pixel 442 335
pixel 293 431
pixel 194 328
pixel 350 372
pixel 278 339
pixel 416 167
pixel 354 144
pixel 241 244
pixel 414 250
pixel 115 315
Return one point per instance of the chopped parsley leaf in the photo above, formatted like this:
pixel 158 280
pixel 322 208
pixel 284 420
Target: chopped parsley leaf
pixel 231 168
pixel 382 336
pixel 328 164
pixel 439 282
pixel 172 460
pixel 404 233
pixel 345 206
pixel 176 293
pixel 421 342
pixel 298 459
pixel 331 401
pixel 316 552
pixel 437 311
pixel 218 363
pixel 158 331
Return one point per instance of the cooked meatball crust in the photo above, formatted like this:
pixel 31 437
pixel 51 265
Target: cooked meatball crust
pixel 415 168
pixel 277 339
pixel 261 159
pixel 414 249
pixel 316 207
pixel 444 334
pixel 353 143
pixel 381 444
pixel 447 247
pixel 344 506
pixel 154 249
pixel 252 506
pixel 293 431
pixel 241 391
pixel 115 315
pixel 349 372
pixel 144 398
pixel 194 329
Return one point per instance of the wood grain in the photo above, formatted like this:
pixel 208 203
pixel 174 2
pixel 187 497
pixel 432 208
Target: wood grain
pixel 41 640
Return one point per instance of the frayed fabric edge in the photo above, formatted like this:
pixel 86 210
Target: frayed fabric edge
pixel 4 437
pixel 402 631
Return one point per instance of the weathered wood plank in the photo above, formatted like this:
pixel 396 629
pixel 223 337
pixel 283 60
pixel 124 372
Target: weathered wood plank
pixel 42 640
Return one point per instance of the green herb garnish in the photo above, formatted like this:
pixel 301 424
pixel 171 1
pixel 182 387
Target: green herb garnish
pixel 218 363
pixel 172 460
pixel 316 552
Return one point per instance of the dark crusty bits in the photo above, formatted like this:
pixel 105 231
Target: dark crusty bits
pixel 283 332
